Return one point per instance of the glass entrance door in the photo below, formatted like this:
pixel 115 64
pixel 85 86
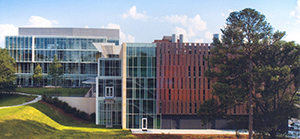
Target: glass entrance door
pixel 108 115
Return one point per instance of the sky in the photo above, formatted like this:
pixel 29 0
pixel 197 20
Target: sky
pixel 145 21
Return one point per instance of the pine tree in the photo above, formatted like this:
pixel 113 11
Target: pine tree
pixel 253 67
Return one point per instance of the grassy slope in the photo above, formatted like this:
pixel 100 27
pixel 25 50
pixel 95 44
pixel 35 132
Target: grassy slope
pixel 15 100
pixel 64 91
pixel 30 122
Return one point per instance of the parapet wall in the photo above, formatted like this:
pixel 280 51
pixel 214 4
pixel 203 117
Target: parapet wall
pixel 87 105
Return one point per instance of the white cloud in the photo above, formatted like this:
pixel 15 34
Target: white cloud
pixel 182 31
pixel 199 40
pixel 132 13
pixel 192 25
pixel 37 21
pixel 33 21
pixel 230 11
pixel 7 29
pixel 86 26
pixel 123 36
pixel 208 35
pixel 296 12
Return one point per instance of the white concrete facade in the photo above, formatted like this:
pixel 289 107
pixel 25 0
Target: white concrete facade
pixel 86 104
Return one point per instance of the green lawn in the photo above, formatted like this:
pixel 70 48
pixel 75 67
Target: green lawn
pixel 9 100
pixel 40 121
pixel 64 91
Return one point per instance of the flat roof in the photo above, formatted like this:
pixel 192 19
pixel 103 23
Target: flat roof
pixel 57 31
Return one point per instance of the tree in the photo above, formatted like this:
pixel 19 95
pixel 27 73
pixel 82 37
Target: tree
pixel 55 71
pixel 253 67
pixel 7 74
pixel 37 75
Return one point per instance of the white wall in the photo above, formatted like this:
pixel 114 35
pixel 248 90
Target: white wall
pixel 85 104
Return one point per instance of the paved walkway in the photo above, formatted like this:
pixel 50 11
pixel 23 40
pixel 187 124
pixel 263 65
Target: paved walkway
pixel 38 98
pixel 187 131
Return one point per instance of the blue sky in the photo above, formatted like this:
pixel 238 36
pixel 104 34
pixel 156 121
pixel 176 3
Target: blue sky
pixel 145 21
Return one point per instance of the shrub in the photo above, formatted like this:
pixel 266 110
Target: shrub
pixel 73 110
pixel 93 116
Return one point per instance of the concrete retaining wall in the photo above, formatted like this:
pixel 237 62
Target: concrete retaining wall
pixel 85 104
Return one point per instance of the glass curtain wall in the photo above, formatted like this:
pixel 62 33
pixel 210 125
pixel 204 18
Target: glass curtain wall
pixel 141 85
pixel 77 54
pixel 109 91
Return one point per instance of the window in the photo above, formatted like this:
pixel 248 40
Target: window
pixel 178 59
pixel 181 83
pixel 169 59
pixel 194 83
pixel 199 71
pixel 160 59
pixel 173 83
pixel 189 71
pixel 208 84
pixel 109 91
pixel 203 94
pixel 190 107
pixel 234 110
pixel 169 94
pixel 196 107
pixel 194 71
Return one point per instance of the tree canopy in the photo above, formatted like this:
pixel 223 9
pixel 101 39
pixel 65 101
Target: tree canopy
pixel 7 71
pixel 55 71
pixel 37 75
pixel 252 63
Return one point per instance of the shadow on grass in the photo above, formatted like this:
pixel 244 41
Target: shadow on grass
pixel 33 129
pixel 24 129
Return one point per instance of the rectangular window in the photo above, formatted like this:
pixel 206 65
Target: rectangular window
pixel 194 71
pixel 203 94
pixel 199 60
pixel 181 107
pixel 208 84
pixel 178 59
pixel 169 94
pixel 181 83
pixel 234 110
pixel 189 71
pixel 174 60
pixel 169 59
pixel 173 83
pixel 199 71
pixel 194 83
pixel 160 59
pixel 109 91
pixel 190 107
pixel 203 60
pixel 204 83
pixel 196 107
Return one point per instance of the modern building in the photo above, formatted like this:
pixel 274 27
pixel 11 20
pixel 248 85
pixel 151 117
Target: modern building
pixel 181 83
pixel 158 85
pixel 73 46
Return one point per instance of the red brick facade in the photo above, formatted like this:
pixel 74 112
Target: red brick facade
pixel 181 83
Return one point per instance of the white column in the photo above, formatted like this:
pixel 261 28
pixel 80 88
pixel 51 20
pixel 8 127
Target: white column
pixel 123 54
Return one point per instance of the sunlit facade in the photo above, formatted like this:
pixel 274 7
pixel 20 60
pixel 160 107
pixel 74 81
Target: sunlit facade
pixel 73 47
pixel 141 95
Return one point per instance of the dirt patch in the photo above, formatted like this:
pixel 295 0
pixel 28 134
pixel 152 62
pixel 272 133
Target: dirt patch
pixel 61 111
pixel 188 136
